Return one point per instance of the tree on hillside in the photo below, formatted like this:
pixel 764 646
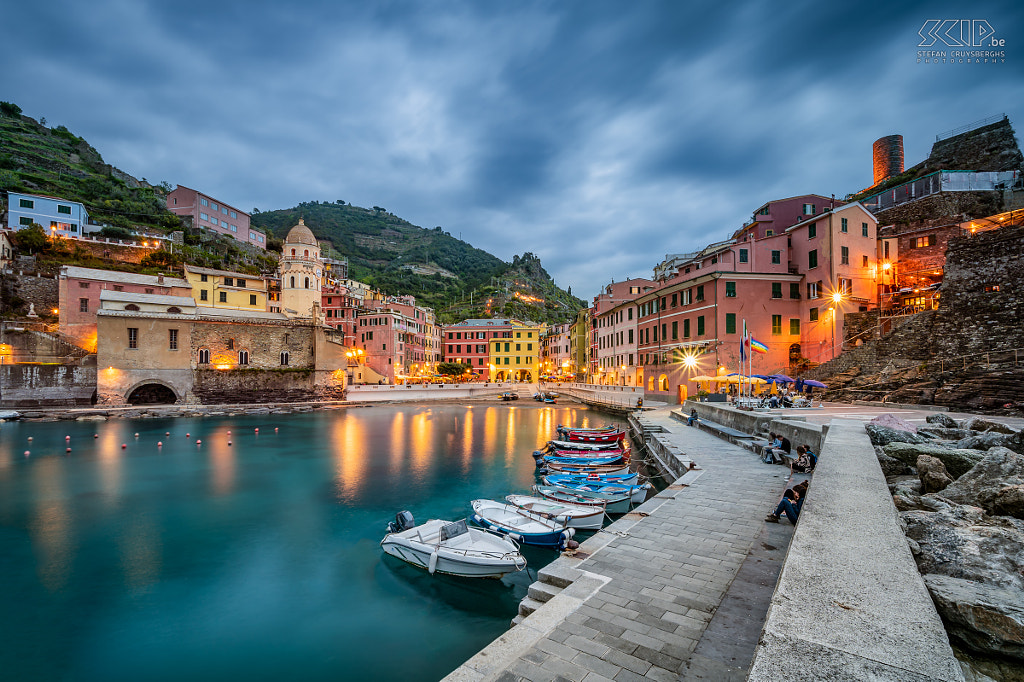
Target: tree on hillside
pixel 10 109
pixel 32 239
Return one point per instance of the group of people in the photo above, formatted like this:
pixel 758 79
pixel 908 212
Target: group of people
pixel 778 449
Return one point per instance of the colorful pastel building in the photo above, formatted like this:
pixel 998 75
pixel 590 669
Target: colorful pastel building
pixel 615 341
pixel 468 342
pixel 398 339
pixel 791 285
pixel 79 291
pixel 516 357
pixel 223 289
pixel 555 351
pixel 214 215
pixel 58 217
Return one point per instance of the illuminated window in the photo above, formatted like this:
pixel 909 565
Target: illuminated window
pixel 776 324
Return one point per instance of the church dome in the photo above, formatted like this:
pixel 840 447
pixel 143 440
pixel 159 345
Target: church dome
pixel 300 234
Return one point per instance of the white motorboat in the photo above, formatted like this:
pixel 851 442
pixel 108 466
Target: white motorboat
pixel 520 525
pixel 571 515
pixel 451 547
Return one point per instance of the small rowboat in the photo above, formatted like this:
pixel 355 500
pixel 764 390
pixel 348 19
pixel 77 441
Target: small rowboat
pixel 610 437
pixel 582 429
pixel 451 547
pixel 520 525
pixel 571 445
pixel 630 478
pixel 580 461
pixel 635 493
pixel 572 515
pixel 624 453
pixel 619 505
pixel 556 468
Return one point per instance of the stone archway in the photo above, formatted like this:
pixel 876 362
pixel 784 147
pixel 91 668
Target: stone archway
pixel 525 376
pixel 151 393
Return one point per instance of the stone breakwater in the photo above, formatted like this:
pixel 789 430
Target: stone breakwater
pixel 959 488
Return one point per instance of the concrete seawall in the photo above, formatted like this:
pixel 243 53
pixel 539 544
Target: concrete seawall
pixel 850 603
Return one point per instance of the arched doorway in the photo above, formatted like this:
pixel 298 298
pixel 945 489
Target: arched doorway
pixel 663 382
pixel 152 394
pixel 794 355
pixel 500 376
pixel 524 375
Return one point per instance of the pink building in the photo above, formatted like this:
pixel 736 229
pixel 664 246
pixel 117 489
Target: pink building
pixel 467 342
pixel 555 351
pixel 79 297
pixel 615 345
pixel 781 284
pixel 214 215
pixel 399 339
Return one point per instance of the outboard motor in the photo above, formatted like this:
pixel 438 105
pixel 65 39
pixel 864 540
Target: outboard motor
pixel 403 521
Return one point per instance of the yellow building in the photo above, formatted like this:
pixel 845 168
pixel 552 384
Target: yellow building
pixel 229 290
pixel 516 357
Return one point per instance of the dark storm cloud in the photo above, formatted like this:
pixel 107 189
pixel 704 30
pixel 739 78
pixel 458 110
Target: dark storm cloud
pixel 600 135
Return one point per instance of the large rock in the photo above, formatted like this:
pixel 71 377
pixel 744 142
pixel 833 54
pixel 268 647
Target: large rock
pixel 934 476
pixel 945 433
pixel 983 484
pixel 890 466
pixel 963 542
pixel 943 420
pixel 883 435
pixel 1009 502
pixel 893 422
pixel 1015 442
pixel 958 462
pixel 986 618
pixel 980 424
pixel 982 441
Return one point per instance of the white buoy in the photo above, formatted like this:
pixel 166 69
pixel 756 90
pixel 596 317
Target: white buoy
pixel 30 437
pixel 167 433
pixel 136 435
pixel 229 442
pixel 432 564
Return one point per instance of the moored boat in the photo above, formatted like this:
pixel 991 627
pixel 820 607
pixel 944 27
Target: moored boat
pixel 575 516
pixel 449 547
pixel 636 493
pixel 619 505
pixel 581 461
pixel 554 467
pixel 628 478
pixel 570 445
pixel 584 437
pixel 521 526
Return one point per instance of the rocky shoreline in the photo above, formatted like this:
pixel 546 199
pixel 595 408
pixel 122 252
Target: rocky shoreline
pixel 959 490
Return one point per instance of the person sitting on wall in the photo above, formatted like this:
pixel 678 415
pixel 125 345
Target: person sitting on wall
pixel 790 505
pixel 693 418
pixel 764 448
pixel 783 449
pixel 805 461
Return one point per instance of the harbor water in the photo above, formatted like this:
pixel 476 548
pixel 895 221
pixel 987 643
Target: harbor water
pixel 254 555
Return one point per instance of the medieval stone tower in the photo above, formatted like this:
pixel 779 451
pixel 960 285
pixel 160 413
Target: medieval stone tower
pixel 301 269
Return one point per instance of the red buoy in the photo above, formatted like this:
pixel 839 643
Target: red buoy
pixel 124 446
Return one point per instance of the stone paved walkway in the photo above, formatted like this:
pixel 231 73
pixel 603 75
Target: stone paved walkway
pixel 668 573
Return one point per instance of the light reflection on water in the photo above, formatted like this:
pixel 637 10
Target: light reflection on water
pixel 256 560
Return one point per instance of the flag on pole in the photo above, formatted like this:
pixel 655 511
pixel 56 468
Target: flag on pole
pixel 757 347
pixel 743 344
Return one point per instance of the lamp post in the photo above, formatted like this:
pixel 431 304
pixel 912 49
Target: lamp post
pixel 837 298
pixel 623 376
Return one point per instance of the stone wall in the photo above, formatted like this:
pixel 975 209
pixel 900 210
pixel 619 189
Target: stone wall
pixel 121 253
pixel 982 294
pixel 265 342
pixel 991 148
pixel 942 205
pixel 46 386
pixel 243 386
pixel 35 289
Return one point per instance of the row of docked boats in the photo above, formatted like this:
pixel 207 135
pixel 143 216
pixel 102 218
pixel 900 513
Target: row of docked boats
pixel 580 483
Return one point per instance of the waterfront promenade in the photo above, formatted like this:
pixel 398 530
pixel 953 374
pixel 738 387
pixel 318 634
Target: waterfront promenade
pixel 657 579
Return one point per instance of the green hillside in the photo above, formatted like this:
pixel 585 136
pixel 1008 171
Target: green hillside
pixel 445 273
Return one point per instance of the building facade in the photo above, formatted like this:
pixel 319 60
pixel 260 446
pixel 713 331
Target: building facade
pixel 79 291
pixel 555 351
pixel 468 342
pixel 58 217
pixel 301 271
pixel 214 215
pixel 229 290
pixel 615 322
pixel 517 356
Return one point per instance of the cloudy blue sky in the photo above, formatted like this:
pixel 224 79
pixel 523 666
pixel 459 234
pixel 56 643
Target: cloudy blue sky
pixel 599 135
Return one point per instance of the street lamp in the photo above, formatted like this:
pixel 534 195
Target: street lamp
pixel 623 376
pixel 837 298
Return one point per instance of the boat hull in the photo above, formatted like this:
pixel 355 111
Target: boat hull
pixel 612 506
pixel 573 516
pixel 636 494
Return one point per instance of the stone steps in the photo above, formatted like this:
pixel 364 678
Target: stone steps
pixel 551 580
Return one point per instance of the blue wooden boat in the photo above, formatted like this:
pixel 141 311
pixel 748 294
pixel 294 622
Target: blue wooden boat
pixel 581 461
pixel 520 525
pixel 632 478
pixel 635 493
pixel 612 505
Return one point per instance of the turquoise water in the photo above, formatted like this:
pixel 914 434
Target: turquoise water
pixel 257 560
